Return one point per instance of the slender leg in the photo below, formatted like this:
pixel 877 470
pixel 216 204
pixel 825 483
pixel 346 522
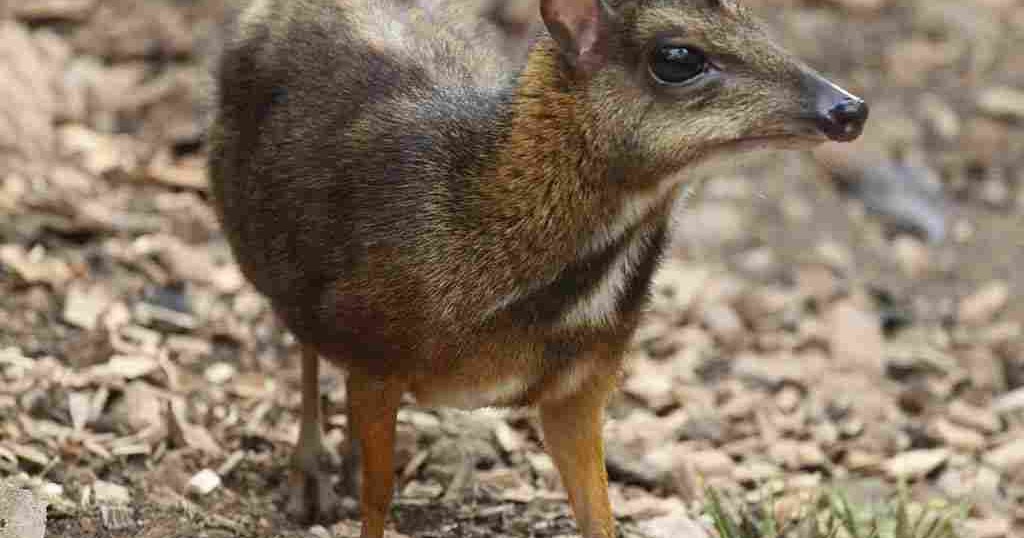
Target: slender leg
pixel 372 417
pixel 312 498
pixel 572 435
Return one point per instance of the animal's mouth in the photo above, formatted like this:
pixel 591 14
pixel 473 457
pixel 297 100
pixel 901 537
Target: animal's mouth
pixel 774 142
pixel 779 141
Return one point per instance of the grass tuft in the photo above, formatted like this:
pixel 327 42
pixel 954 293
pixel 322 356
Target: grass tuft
pixel 831 515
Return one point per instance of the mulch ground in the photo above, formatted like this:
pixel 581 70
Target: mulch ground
pixel 807 331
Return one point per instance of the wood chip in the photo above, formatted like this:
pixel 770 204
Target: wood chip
pixel 1008 457
pixel 676 525
pixel 83 305
pixel 219 373
pixel 855 337
pixel 109 493
pixel 1010 402
pixel 34 266
pixel 80 409
pixel 182 173
pixel 50 10
pixel 125 367
pixel 915 463
pixel 30 453
pixel 190 435
pixel 984 420
pixel 983 305
pixel 231 462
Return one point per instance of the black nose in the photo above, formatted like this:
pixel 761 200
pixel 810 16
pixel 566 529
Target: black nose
pixel 844 121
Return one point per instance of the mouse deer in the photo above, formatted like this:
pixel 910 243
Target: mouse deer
pixel 473 228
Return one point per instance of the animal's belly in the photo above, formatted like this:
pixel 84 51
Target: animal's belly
pixel 512 389
pixel 505 392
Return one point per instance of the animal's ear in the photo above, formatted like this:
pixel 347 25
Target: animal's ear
pixel 581 28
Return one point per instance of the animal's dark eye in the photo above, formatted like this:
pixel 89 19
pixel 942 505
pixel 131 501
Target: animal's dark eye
pixel 674 64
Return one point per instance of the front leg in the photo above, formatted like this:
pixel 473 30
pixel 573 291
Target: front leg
pixel 572 435
pixel 372 417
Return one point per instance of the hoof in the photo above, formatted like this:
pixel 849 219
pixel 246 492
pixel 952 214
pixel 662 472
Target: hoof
pixel 311 498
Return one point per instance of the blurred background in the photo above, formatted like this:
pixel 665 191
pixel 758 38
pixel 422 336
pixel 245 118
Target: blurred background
pixel 849 316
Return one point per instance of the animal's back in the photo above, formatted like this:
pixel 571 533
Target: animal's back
pixel 345 128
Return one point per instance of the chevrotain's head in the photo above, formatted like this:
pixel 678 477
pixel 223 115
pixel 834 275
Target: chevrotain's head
pixel 679 79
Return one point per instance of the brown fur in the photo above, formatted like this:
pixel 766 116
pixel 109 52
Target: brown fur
pixel 423 207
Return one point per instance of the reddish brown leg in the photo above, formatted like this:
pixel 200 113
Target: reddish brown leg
pixel 372 416
pixel 572 435
pixel 312 498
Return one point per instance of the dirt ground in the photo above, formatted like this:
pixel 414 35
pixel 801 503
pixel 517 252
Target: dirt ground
pixel 845 318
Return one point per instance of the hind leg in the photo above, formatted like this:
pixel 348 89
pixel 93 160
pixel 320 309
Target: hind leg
pixel 312 498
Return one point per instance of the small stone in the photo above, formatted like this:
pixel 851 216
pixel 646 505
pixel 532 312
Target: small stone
pixel 978 418
pixel 915 463
pixel 204 482
pixel 109 493
pixel 983 305
pixel 1008 457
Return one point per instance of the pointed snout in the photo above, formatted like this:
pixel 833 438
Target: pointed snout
pixel 839 114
